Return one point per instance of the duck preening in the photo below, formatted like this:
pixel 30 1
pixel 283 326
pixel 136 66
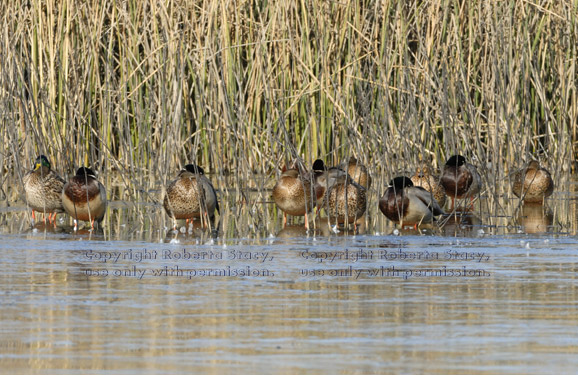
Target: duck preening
pixel 191 195
pixel 533 184
pixel 460 179
pixel 406 204
pixel 84 197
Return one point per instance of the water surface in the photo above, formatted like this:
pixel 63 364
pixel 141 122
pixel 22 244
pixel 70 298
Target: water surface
pixel 488 293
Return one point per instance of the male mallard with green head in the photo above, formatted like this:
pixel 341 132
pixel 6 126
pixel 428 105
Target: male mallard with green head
pixel 84 197
pixel 43 189
pixel 533 184
pixel 407 204
pixel 191 195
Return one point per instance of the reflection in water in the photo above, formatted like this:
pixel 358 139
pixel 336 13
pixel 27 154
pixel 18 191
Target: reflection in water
pixel 291 231
pixel 462 224
pixel 255 216
pixel 322 227
pixel 535 218
pixel 85 302
pixel 96 306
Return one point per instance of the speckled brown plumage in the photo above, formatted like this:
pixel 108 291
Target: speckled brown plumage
pixel 423 178
pixel 294 195
pixel 358 172
pixel 84 197
pixel 325 179
pixel 406 204
pixel 43 188
pixel 533 183
pixel 347 201
pixel 190 195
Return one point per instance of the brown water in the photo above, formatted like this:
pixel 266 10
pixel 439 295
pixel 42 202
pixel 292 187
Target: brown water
pixel 488 294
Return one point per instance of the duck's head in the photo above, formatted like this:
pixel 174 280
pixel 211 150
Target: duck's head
pixel 533 165
pixel 85 172
pixel 422 171
pixel 319 166
pixel 399 183
pixel 41 161
pixel 195 169
pixel 456 161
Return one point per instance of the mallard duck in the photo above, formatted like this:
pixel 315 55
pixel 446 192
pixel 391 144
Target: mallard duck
pixel 43 189
pixel 346 201
pixel 407 204
pixel 295 194
pixel 191 195
pixel 84 197
pixel 358 172
pixel 460 179
pixel 324 179
pixel 533 184
pixel 423 178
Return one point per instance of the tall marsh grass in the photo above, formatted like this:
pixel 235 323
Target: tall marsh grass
pixel 242 87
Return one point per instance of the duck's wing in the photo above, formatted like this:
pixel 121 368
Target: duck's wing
pixel 208 191
pixel 476 184
pixel 417 192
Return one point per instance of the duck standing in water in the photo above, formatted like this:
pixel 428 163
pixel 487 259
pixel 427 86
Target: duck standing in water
pixel 533 184
pixel 191 195
pixel 346 200
pixel 406 204
pixel 84 197
pixel 295 194
pixel 460 179
pixel 43 189
pixel 324 179
pixel 424 179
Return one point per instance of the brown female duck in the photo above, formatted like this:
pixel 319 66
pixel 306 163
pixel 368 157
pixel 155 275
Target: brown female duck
pixel 324 179
pixel 347 200
pixel 533 184
pixel 191 195
pixel 358 172
pixel 295 194
pixel 43 189
pixel 423 178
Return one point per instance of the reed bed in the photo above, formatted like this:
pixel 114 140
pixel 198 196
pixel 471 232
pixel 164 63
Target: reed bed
pixel 141 88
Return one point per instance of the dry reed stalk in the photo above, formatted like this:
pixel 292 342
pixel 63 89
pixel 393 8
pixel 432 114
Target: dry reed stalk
pixel 143 88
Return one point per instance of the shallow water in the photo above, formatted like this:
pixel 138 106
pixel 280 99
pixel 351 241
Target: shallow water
pixel 488 294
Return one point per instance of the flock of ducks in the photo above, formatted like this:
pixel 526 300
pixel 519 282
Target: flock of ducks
pixel 82 197
pixel 191 195
pixel 412 201
pixel 341 191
